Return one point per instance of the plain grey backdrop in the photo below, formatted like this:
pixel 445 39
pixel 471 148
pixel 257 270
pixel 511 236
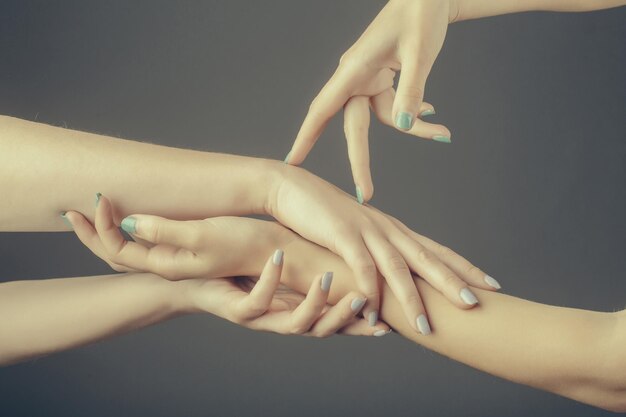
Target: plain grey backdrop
pixel 531 189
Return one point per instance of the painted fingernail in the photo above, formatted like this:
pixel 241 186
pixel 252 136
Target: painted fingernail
pixel 98 195
pixel 468 297
pixel 422 325
pixel 359 195
pixel 66 220
pixel 372 318
pixel 427 112
pixel 442 139
pixel 492 282
pixel 379 333
pixel 327 279
pixel 286 161
pixel 404 120
pixel 129 225
pixel 357 304
pixel 277 259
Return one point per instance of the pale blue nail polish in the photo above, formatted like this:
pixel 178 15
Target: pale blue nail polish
pixel 379 333
pixel 357 304
pixel 327 279
pixel 129 225
pixel 404 120
pixel 286 161
pixel 442 139
pixel 492 282
pixel 468 297
pixel 66 221
pixel 98 195
pixel 359 195
pixel 427 112
pixel 277 259
pixel 372 318
pixel 422 325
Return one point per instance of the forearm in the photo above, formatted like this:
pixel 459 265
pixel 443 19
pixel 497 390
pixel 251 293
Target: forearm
pixel 45 170
pixel 45 316
pixel 473 9
pixel 567 351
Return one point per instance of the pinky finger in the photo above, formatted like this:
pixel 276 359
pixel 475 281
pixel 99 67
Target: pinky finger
pixel 362 328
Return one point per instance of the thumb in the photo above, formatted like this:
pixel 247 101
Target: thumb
pixel 159 230
pixel 409 95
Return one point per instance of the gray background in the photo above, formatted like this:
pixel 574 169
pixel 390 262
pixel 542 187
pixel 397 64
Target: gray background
pixel 532 189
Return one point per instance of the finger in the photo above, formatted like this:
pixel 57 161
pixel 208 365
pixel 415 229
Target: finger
pixel 328 102
pixel 434 271
pixel 382 105
pixel 311 308
pixel 356 124
pixel 168 261
pixel 393 267
pixel 339 316
pixel 409 95
pixel 159 230
pixel 471 274
pixel 260 298
pixel 358 258
pixel 363 328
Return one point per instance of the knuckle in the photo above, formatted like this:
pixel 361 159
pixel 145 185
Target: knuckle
pixel 472 270
pixel 449 278
pixel 445 251
pixel 397 265
pixel 365 266
pixel 424 255
pixel 412 92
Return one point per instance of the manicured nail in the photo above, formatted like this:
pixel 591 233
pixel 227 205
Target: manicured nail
pixel 66 220
pixel 379 333
pixel 357 304
pixel 422 325
pixel 359 195
pixel 327 279
pixel 468 297
pixel 277 259
pixel 404 120
pixel 286 161
pixel 492 282
pixel 129 225
pixel 372 318
pixel 427 112
pixel 442 139
pixel 98 195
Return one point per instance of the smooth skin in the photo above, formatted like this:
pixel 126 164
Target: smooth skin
pixel 575 353
pixel 406 36
pixel 61 167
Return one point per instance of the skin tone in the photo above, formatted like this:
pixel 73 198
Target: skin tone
pixel 185 184
pixel 406 36
pixel 575 353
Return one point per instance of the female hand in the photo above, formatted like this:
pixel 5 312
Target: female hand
pixel 258 305
pixel 406 35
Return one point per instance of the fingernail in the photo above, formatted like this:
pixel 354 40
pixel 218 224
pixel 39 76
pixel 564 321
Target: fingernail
pixel 442 139
pixel 422 325
pixel 277 259
pixel 129 225
pixel 492 282
pixel 468 297
pixel 427 112
pixel 359 195
pixel 327 279
pixel 372 318
pixel 404 120
pixel 286 161
pixel 98 195
pixel 379 333
pixel 65 219
pixel 357 304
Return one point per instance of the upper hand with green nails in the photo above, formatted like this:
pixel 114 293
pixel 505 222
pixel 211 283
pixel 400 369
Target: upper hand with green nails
pixel 211 253
pixel 406 35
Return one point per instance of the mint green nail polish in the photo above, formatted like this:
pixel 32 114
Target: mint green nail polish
pixel 277 259
pixel 422 325
pixel 98 195
pixel 442 139
pixel 427 112
pixel 65 219
pixel 129 225
pixel 286 161
pixel 359 195
pixel 404 120
pixel 327 279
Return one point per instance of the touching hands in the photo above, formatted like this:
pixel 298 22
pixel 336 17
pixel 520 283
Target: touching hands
pixel 406 36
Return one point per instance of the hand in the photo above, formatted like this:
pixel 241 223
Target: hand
pixel 406 35
pixel 258 305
